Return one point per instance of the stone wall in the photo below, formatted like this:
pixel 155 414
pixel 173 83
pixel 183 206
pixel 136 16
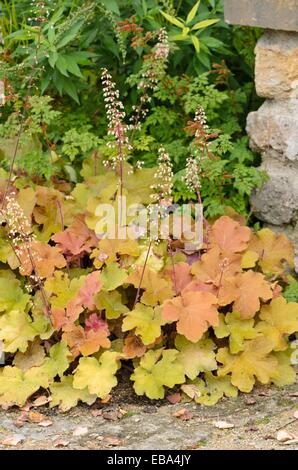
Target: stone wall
pixel 271 14
pixel 273 129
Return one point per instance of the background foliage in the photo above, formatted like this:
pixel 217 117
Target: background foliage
pixel 62 57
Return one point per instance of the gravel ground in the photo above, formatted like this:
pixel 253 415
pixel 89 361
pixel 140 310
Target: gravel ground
pixel 127 422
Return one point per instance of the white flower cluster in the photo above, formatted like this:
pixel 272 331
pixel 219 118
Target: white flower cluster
pixel 192 174
pixel 162 48
pixel 200 117
pixel 19 233
pixel 40 11
pixel 115 114
pixel 163 185
pixel 154 69
pixel 18 225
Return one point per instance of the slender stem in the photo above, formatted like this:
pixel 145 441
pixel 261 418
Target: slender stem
pixel 173 266
pixel 22 122
pixel 142 275
pixel 12 165
pixel 40 285
pixel 60 213
pixel 62 228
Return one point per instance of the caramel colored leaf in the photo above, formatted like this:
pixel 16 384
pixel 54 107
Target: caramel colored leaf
pixel 76 239
pixel 40 257
pixel 214 268
pixel 91 286
pixel 180 276
pixel 87 341
pixel 194 313
pixel 133 347
pixel 33 357
pixel 229 236
pixel 245 290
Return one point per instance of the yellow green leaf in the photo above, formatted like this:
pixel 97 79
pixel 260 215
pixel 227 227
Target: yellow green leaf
pixel 251 364
pixel 66 397
pixel 195 357
pixel 98 375
pixel 12 296
pixel 204 24
pixel 179 37
pixel 212 389
pixel 282 316
pixel 111 302
pixel 173 20
pixel 193 12
pixel 15 386
pixel 237 329
pixel 272 250
pixel 249 259
pixel 61 289
pixel 113 276
pixel 285 374
pixel 146 321
pixel 16 329
pixel 156 370
pixel 196 42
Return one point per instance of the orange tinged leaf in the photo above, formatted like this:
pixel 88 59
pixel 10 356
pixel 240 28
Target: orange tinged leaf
pixel 76 239
pixel 229 236
pixel 194 313
pixel 86 341
pixel 133 347
pixel 63 317
pixel 213 267
pixel 41 257
pixel 199 286
pixel 91 287
pixel 180 276
pixel 245 290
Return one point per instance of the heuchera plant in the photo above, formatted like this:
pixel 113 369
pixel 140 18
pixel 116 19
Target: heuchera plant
pixel 214 322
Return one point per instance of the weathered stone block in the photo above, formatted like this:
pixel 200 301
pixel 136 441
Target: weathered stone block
pixel 273 130
pixel 270 14
pixel 276 71
pixel 277 202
